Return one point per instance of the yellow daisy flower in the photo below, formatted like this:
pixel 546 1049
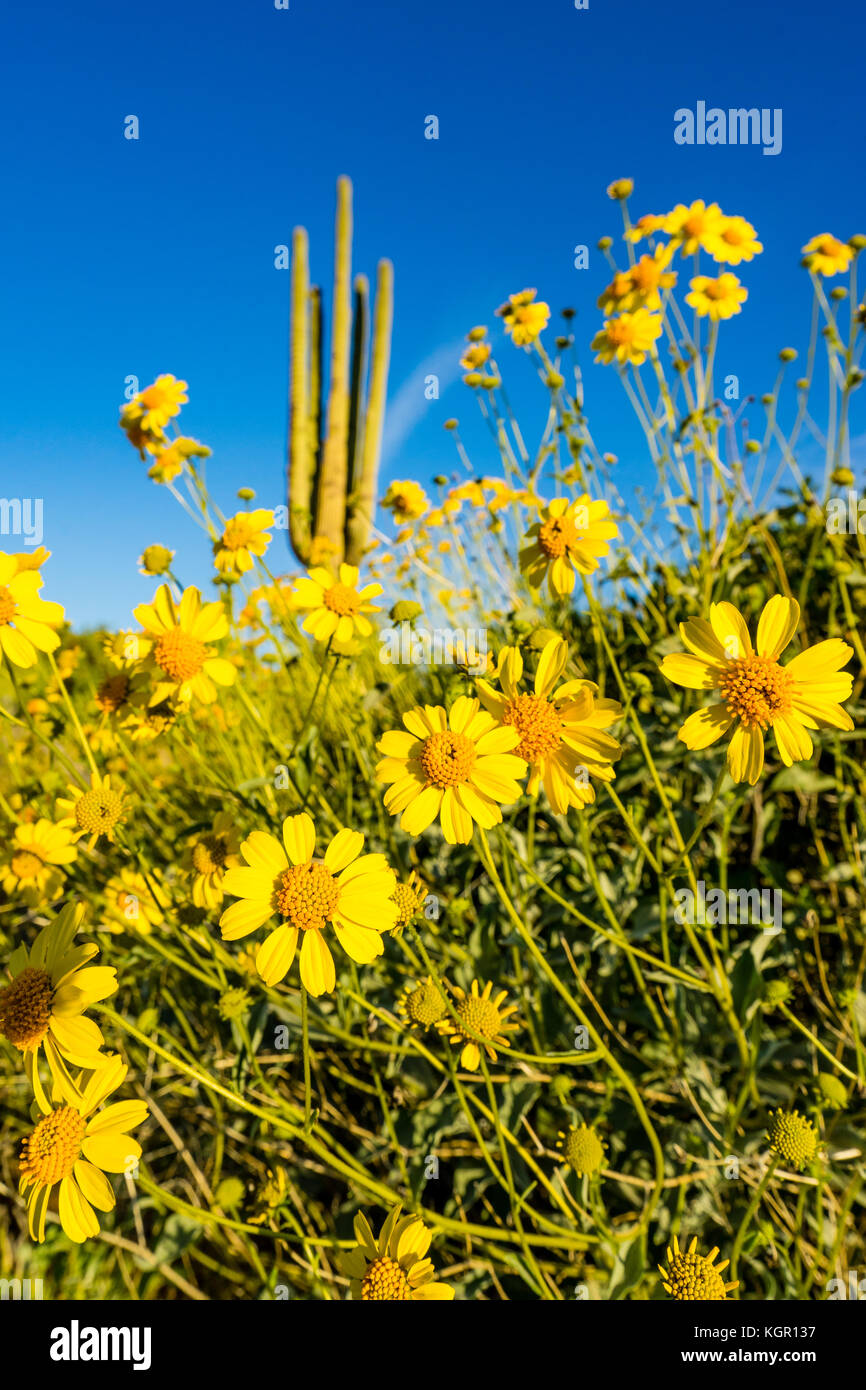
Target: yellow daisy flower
pixel 73 1146
pixel 171 460
pixel 27 622
pixel 158 403
pixel 479 1014
pixel 130 904
pixel 716 299
pixel 338 605
pixel 43 1006
pixel 394 1268
pixel 561 730
pixel 475 356
pixel 523 318
pixel 582 1149
pixel 409 897
pixel 693 1277
pixel 353 894
pixel 620 188
pixel 645 226
pixel 756 693
pixel 421 1005
pixel 640 286
pixel 30 866
pixel 792 1137
pixel 827 255
pixel 95 812
pixel 155 560
pixel 180 653
pixel 694 227
pixel 736 240
pixel 459 766
pixel 567 539
pixel 208 858
pixel 627 338
pixel 406 501
pixel 244 537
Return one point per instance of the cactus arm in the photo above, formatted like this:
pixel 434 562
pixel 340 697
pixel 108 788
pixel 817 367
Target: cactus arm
pixel 300 469
pixel 334 479
pixel 364 499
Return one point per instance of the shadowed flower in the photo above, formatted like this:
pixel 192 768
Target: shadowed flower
pixel 209 856
pixel 756 692
pixel 73 1146
pixel 457 765
pixel 52 985
pixel 409 897
pixel 30 863
pixel 351 894
pixel 421 1004
pixel 180 637
pixel 406 501
pixel 338 605
pixel 693 1277
pixel 523 318
pixel 481 1022
pixel 394 1268
pixel 561 730
pixel 567 539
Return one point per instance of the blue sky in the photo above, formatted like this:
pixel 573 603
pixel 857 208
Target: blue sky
pixel 138 257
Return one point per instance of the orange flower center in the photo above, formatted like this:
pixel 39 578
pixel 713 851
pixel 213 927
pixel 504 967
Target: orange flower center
pixel 8 606
pixel 25 1008
pixel 27 863
pixel 238 534
pixel 755 689
pixel 538 724
pixel 385 1280
pixel 343 600
pixel 180 654
pixel 694 225
pixel 307 895
pixel 559 533
pixel 447 758
pixel 51 1152
pixel 98 811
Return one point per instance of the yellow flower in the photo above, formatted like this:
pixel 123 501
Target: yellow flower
pixel 421 1004
pixel 394 1268
pixel 645 226
pixel 756 692
pixel 582 1149
pixel 171 459
pixel 244 537
pixel 30 865
pixel 693 1277
pixel 43 1007
pixel 75 1145
pixel 620 188
pixel 155 560
pixel 31 559
pixel 694 227
pixel 157 404
pixel 523 318
pixel 352 894
pixel 475 356
pixel 459 766
pixel 406 501
pixel 478 1013
pixel 409 897
pixel 568 537
pixel 208 858
pixel 826 255
pixel 561 730
pixel 640 286
pixel 97 811
pixel 181 657
pixel 736 240
pixel 338 605
pixel 793 1138
pixel 130 904
pixel 716 299
pixel 27 622
pixel 627 338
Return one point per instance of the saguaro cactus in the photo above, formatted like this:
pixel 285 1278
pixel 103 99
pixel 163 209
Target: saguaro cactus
pixel 334 452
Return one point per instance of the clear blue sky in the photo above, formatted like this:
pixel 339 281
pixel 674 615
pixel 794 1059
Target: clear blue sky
pixel 124 257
